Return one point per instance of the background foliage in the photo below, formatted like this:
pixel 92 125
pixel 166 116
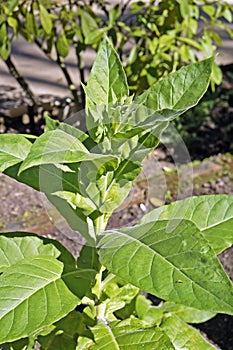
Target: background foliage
pixel 152 38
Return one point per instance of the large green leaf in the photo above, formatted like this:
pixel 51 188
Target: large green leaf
pixel 126 335
pixel 170 259
pixel 32 296
pixel 13 150
pixel 212 214
pixel 180 90
pixel 107 85
pixel 56 147
pixel 17 246
pixel 184 336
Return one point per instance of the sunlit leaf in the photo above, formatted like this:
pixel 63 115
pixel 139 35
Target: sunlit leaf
pixel 179 91
pixel 32 296
pixel 170 259
pixel 46 20
pixel 126 335
pixel 184 336
pixel 13 150
pixel 212 214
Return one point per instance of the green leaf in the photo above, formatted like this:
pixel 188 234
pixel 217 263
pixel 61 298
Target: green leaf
pixel 13 149
pixel 154 314
pixel 80 281
pixel 184 336
pixel 31 26
pixel 76 220
pixel 13 23
pixel 179 91
pixel 170 259
pixel 64 335
pixel 12 4
pixel 126 335
pixel 52 124
pixel 88 258
pixel 212 214
pixel 18 245
pixel 32 296
pixel 106 85
pixel 62 45
pixel 46 19
pixel 187 314
pixel 92 33
pixel 15 246
pixel 209 10
pixel 58 147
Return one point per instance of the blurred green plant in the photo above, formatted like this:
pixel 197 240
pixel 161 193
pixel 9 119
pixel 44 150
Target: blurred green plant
pixel 153 38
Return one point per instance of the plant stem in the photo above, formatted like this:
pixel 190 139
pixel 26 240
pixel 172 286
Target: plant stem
pixel 17 76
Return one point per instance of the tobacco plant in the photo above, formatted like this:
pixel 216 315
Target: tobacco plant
pixel 154 37
pixel 96 301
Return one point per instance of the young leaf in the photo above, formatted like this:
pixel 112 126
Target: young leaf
pixel 170 259
pixel 154 314
pixel 92 33
pixel 212 214
pixel 13 150
pixel 32 296
pixel 52 124
pixel 184 336
pixel 179 91
pixel 76 220
pixel 62 45
pixel 106 85
pixel 127 335
pixel 187 314
pixel 58 147
pixel 46 20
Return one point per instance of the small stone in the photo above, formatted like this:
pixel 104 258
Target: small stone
pixel 206 185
